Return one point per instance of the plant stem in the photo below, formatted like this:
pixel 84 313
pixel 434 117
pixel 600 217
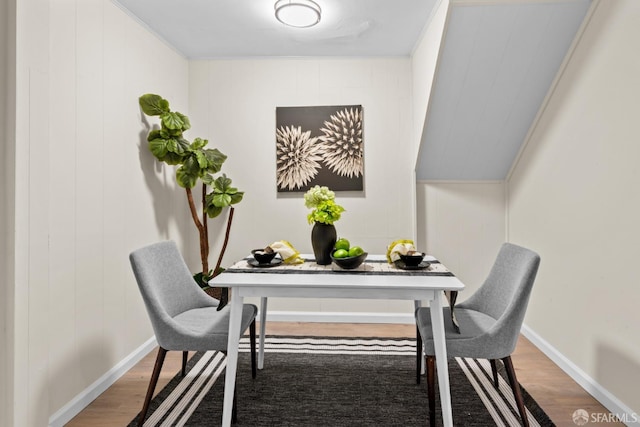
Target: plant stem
pixel 226 240
pixel 204 251
pixel 205 223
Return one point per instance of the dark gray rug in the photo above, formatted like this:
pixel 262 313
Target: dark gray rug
pixel 335 382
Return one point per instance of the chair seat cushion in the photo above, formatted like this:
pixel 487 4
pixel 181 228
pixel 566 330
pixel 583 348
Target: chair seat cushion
pixel 206 328
pixel 473 324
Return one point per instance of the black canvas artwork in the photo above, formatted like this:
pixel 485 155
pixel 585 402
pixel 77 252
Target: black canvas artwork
pixel 319 146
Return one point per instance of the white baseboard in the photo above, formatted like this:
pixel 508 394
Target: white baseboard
pixel 608 400
pixel 339 317
pixel 82 400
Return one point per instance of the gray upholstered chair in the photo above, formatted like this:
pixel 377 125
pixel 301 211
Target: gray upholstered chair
pixel 183 317
pixel 490 321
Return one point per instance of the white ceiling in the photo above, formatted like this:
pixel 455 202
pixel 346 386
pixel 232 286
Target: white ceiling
pixel 208 29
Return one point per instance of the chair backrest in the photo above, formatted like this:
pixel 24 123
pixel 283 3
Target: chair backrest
pixel 166 284
pixel 505 293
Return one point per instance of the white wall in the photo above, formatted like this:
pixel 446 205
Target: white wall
pixel 463 225
pixel 233 102
pixel 573 197
pixel 7 61
pixel 87 193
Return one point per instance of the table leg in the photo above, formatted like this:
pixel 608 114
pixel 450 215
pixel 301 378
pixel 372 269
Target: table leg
pixel 437 322
pixel 263 324
pixel 235 320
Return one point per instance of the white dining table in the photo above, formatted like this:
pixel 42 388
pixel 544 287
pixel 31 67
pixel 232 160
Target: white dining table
pixel 416 285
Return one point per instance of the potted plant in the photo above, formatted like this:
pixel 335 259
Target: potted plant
pixel 325 211
pixel 195 164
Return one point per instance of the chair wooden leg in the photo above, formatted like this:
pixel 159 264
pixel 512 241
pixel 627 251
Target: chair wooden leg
pixel 494 370
pixel 234 408
pixel 419 356
pixel 511 374
pixel 252 341
pixel 152 384
pixel 431 388
pixel 185 356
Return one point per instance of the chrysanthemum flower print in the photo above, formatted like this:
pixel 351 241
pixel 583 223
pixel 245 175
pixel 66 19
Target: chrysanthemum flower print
pixel 298 157
pixel 342 143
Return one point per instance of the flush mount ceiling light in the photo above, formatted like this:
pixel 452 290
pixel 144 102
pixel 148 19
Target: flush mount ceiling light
pixel 298 13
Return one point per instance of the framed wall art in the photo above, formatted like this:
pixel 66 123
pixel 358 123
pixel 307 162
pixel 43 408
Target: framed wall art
pixel 321 145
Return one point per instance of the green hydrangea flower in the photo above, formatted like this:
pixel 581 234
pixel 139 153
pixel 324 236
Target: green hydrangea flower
pixel 322 201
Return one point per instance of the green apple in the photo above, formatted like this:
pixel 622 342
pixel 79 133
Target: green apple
pixel 342 243
pixel 340 253
pixel 356 251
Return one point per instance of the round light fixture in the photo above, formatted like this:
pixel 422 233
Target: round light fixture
pixel 298 13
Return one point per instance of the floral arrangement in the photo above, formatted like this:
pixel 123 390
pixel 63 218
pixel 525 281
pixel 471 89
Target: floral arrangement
pixel 322 201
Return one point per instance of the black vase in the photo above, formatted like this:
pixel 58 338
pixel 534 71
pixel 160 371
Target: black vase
pixel 323 239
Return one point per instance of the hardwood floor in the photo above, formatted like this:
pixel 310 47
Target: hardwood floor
pixel 554 391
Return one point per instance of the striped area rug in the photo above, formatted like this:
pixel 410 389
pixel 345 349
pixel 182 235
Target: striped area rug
pixel 334 382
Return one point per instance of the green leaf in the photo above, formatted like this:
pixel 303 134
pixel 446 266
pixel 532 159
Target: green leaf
pixel 223 193
pixel 172 145
pixel 207 179
pixel 191 163
pixel 158 147
pixel 199 143
pixel 236 197
pixel 213 211
pixel 211 208
pixel 185 179
pixel 222 184
pixel 186 124
pixel 202 159
pixel 221 200
pixel 172 121
pixel 178 146
pixel 175 133
pixel 153 105
pixel 215 160
pixel 187 175
pixel 200 280
pixel 155 134
pixel 172 159
pixel 183 146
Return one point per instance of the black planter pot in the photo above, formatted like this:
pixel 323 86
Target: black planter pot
pixel 323 239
